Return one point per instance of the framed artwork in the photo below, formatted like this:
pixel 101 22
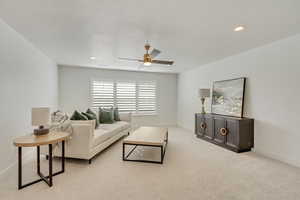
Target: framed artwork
pixel 228 97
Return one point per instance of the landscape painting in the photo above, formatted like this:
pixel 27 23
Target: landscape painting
pixel 228 97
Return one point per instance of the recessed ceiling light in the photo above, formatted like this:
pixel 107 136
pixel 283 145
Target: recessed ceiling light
pixel 239 28
pixel 93 58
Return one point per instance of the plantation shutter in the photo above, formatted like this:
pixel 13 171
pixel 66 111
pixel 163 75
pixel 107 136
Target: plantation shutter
pixel 146 97
pixel 102 93
pixel 126 96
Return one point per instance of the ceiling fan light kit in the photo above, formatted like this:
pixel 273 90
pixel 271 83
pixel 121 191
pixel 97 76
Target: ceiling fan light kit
pixel 147 63
pixel 148 58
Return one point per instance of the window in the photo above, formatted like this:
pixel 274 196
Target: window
pixel 102 93
pixel 129 96
pixel 126 96
pixel 146 97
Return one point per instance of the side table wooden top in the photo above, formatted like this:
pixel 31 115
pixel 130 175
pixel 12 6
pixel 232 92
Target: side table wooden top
pixel 33 140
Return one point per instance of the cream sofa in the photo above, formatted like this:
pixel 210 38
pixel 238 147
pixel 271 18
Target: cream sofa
pixel 86 141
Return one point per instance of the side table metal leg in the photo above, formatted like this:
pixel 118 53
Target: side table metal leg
pixel 50 165
pixel 20 168
pixel 63 156
pixel 167 137
pixel 38 160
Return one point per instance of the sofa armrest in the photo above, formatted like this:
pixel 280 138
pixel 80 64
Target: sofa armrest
pixel 81 139
pixel 126 117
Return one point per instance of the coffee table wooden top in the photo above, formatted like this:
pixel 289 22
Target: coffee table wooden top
pixel 32 140
pixel 147 136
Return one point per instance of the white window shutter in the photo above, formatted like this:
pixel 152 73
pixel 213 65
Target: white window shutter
pixel 147 97
pixel 102 93
pixel 128 96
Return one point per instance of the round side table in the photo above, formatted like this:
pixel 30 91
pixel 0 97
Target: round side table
pixel 36 141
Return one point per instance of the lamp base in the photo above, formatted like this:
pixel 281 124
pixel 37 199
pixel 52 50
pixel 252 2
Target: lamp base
pixel 41 131
pixel 203 110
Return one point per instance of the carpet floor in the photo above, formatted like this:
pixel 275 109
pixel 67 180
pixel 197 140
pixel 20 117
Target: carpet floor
pixel 193 169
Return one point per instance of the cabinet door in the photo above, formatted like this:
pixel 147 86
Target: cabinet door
pixel 209 132
pixel 232 133
pixel 219 124
pixel 200 126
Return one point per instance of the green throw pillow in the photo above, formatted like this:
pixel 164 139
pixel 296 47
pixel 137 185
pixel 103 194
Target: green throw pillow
pixel 116 114
pixel 106 115
pixel 91 116
pixel 78 116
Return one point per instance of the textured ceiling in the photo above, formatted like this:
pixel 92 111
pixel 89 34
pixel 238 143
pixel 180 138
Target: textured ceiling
pixel 190 32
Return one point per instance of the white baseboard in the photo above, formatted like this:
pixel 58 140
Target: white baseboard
pixel 277 157
pixel 26 157
pixel 274 156
pixel 187 129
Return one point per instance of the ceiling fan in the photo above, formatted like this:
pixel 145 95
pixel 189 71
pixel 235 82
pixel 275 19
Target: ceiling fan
pixel 149 58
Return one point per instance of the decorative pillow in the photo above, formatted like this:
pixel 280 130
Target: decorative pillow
pixel 116 114
pixel 106 115
pixel 92 117
pixel 59 117
pixel 78 116
pixel 89 111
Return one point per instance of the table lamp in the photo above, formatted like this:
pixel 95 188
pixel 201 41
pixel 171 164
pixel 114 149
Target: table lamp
pixel 203 93
pixel 40 117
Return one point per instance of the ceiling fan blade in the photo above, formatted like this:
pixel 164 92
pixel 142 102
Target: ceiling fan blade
pixel 163 62
pixel 131 59
pixel 154 53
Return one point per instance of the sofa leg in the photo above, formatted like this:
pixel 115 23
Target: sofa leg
pixel 47 157
pixel 90 161
pixel 128 133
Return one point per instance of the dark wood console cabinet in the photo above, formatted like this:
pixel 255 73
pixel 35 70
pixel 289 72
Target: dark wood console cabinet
pixel 235 134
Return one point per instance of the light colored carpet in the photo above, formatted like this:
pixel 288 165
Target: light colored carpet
pixel 193 169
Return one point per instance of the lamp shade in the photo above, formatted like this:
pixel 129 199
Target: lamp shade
pixel 203 92
pixel 40 116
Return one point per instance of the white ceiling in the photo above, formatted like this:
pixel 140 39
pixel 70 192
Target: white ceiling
pixel 191 32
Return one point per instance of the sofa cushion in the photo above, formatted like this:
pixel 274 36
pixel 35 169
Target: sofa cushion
pixel 106 131
pixel 100 135
pixel 115 127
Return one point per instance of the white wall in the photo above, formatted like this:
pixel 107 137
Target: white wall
pixel 272 95
pixel 74 88
pixel 27 79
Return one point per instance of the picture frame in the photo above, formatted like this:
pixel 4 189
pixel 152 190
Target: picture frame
pixel 228 97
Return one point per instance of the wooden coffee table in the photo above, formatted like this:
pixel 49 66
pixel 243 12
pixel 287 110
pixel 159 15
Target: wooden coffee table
pixel 150 137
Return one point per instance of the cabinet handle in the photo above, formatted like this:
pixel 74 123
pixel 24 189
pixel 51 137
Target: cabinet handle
pixel 202 125
pixel 223 131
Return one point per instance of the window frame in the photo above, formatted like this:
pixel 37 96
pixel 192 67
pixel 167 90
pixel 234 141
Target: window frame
pixel 137 82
